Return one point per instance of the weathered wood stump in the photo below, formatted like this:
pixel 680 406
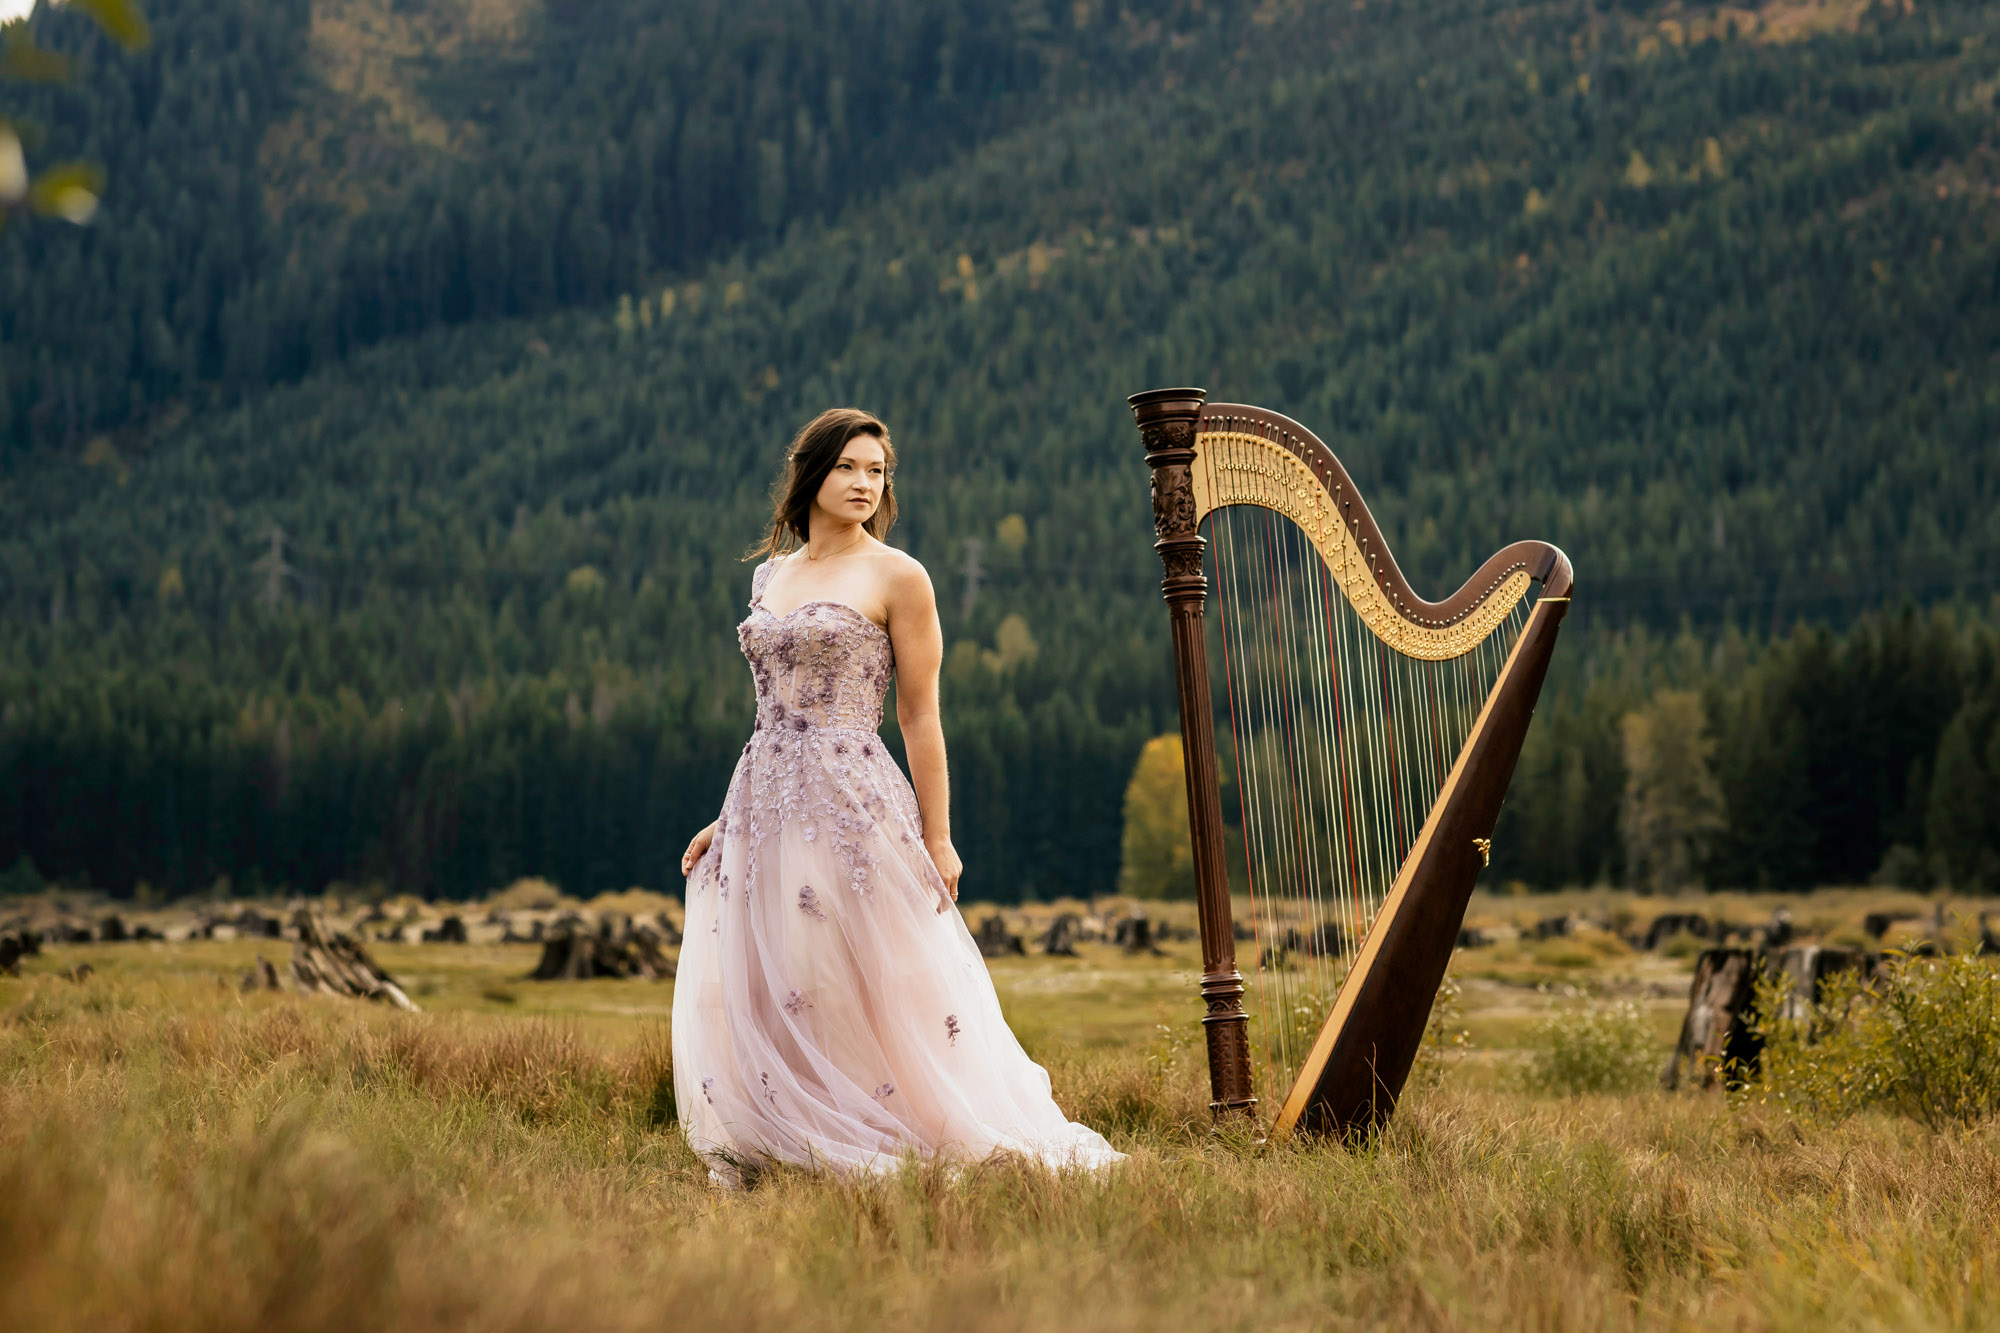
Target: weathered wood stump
pixel 1716 1029
pixel 333 963
pixel 1135 934
pixel 573 951
pixel 69 930
pixel 451 930
pixel 995 940
pixel 1669 924
pixel 1061 937
pixel 1722 1004
pixel 261 977
pixel 1878 924
pixel 253 924
pixel 1554 927
pixel 519 932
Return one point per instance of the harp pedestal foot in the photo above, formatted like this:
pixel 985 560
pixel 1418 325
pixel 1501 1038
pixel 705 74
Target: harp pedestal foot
pixel 1227 1029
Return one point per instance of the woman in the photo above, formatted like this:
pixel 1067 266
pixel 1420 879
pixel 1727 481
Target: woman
pixel 831 1008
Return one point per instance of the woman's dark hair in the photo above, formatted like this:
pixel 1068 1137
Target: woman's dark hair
pixel 811 456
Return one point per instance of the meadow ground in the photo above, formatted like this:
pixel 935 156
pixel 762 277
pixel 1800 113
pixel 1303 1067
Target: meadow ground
pixel 176 1154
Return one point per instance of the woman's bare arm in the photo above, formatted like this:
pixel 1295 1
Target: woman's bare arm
pixel 919 643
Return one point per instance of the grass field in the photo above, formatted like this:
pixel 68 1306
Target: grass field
pixel 176 1154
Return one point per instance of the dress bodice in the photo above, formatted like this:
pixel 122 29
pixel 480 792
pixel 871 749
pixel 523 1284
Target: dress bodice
pixel 822 664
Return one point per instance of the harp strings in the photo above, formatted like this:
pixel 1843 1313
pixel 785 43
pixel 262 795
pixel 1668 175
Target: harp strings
pixel 1337 747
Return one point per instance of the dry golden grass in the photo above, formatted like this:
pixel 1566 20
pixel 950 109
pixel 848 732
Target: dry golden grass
pixel 174 1154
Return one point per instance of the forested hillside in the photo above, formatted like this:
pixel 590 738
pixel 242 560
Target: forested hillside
pixel 293 181
pixel 448 594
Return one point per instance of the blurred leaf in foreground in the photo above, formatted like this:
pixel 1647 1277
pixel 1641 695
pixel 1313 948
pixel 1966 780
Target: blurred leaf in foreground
pixel 20 58
pixel 70 192
pixel 120 18
pixel 13 169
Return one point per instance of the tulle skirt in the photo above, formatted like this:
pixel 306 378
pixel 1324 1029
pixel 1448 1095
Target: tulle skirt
pixel 827 1013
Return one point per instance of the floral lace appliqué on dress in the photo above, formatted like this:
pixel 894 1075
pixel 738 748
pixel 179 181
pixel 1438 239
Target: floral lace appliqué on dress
pixel 793 1001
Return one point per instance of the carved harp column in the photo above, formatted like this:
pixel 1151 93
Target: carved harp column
pixel 1166 420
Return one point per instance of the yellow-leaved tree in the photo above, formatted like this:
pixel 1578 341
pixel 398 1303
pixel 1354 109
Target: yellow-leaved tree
pixel 1673 803
pixel 1158 853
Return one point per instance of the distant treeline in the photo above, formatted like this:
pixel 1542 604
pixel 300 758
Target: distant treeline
pixel 146 783
pixel 1824 759
pixel 1820 758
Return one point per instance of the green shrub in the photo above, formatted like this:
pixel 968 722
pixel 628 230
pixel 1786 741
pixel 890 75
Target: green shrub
pixel 1591 1050
pixel 1565 953
pixel 1921 1038
pixel 1446 1039
pixel 1683 945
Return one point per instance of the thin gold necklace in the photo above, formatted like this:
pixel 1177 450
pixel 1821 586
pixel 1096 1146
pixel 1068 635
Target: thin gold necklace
pixel 830 554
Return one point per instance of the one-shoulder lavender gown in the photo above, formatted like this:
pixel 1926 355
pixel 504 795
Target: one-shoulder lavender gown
pixel 826 1013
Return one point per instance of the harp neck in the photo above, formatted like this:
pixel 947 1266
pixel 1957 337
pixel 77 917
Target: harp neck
pixel 1251 455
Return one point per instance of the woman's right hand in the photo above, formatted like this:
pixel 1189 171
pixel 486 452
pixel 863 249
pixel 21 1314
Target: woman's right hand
pixel 696 850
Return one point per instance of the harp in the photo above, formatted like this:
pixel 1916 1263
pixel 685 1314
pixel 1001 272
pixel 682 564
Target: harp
pixel 1366 737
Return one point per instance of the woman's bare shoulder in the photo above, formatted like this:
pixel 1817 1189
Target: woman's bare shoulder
pixel 901 572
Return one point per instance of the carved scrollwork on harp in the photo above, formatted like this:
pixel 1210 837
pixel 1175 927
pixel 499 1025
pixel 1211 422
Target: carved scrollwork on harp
pixel 1237 467
pixel 1173 502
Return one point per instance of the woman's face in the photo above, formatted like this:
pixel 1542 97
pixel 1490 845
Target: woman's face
pixel 853 489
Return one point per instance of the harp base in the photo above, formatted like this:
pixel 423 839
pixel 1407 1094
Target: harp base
pixel 1227 1029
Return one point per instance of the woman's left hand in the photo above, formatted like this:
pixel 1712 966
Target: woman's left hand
pixel 945 857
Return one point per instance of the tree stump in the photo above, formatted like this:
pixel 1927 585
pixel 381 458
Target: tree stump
pixel 572 951
pixel 517 933
pixel 995 940
pixel 23 933
pixel 1061 937
pixel 261 977
pixel 1135 934
pixel 69 930
pixel 451 930
pixel 253 924
pixel 647 949
pixel 1877 924
pixel 1716 1028
pixel 1554 927
pixel 1669 924
pixel 1722 1004
pixel 334 963
pixel 1807 967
